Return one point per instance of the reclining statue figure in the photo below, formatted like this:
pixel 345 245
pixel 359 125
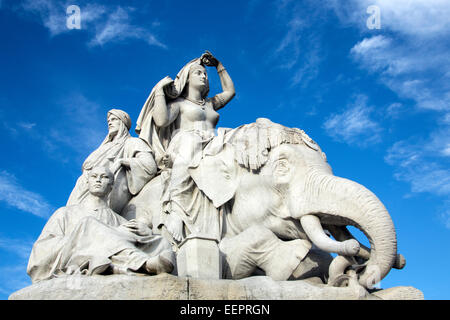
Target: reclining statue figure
pixel 90 238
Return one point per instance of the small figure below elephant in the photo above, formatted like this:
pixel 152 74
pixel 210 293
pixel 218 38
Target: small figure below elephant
pixel 130 159
pixel 89 238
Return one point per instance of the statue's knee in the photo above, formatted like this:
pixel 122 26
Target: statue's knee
pixel 259 235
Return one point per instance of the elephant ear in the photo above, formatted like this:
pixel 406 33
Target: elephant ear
pixel 216 176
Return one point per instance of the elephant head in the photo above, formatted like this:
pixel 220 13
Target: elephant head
pixel 279 177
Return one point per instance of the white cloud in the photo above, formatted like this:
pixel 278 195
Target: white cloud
pixel 51 13
pixel 444 214
pixel 354 125
pixel 78 126
pixel 445 119
pixel 410 69
pixel 423 162
pixel 410 51
pixel 82 127
pixel 26 125
pixel 394 110
pixel 119 28
pixel 92 12
pixel 298 49
pixel 14 276
pixel 291 42
pixel 374 43
pixel 21 248
pixel 416 18
pixel 310 67
pixel 104 23
pixel 13 194
pixel 410 56
pixel 422 18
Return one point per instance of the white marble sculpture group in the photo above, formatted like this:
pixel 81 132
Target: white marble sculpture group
pixel 188 199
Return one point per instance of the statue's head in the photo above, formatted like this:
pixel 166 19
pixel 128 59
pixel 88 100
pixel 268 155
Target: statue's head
pixel 100 180
pixel 198 78
pixel 118 122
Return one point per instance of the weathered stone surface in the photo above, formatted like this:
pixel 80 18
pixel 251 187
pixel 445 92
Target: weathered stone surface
pixel 400 293
pixel 199 258
pixel 114 287
pixel 169 287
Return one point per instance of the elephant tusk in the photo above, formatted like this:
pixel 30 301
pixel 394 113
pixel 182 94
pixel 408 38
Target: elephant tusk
pixel 342 234
pixel 400 262
pixel 314 230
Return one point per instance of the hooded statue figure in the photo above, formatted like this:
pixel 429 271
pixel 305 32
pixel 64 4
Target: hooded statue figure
pixel 130 159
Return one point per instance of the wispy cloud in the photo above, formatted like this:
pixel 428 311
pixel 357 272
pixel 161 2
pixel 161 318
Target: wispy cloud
pixel 15 195
pixel 82 118
pixel 51 13
pixel 409 55
pixel 423 162
pixel 14 276
pixel 410 52
pixel 118 27
pixel 394 110
pixel 354 125
pixel 78 127
pixel 26 125
pixel 444 214
pixel 290 43
pixel 298 48
pixel 21 248
pixel 417 18
pixel 408 68
pixel 104 23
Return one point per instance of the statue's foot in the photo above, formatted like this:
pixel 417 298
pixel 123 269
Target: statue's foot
pixel 160 263
pixel 175 227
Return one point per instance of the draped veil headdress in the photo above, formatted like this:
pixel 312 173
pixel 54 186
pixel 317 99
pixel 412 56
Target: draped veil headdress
pixel 111 145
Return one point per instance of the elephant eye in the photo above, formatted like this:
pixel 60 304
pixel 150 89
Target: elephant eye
pixel 282 166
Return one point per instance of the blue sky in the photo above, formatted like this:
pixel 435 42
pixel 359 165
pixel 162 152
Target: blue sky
pixel 376 100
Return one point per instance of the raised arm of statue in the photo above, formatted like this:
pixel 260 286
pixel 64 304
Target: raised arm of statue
pixel 221 99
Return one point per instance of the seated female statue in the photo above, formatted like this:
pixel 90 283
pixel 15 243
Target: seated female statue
pixel 178 121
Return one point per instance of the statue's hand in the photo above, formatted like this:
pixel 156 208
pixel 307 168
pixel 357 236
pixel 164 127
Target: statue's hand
pixel 118 163
pixel 209 60
pixel 166 81
pixel 167 161
pixel 137 227
pixel 116 166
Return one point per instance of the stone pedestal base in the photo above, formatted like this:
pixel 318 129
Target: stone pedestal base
pixel 199 258
pixel 168 287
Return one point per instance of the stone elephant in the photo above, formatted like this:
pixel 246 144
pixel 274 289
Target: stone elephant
pixel 278 179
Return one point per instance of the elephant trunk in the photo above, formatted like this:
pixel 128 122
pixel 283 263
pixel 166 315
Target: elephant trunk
pixel 339 201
